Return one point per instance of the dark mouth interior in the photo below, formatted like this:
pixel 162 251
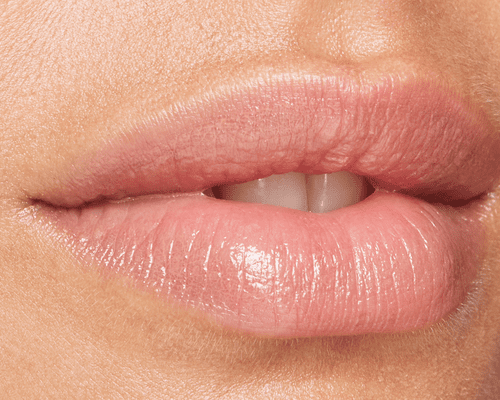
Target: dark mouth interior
pixel 445 199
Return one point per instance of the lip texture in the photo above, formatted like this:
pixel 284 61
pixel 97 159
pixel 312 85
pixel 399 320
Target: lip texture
pixel 389 263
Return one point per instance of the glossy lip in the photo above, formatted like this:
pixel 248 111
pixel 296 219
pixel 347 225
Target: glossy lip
pixel 389 263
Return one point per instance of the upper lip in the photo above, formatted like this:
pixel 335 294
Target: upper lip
pixel 413 135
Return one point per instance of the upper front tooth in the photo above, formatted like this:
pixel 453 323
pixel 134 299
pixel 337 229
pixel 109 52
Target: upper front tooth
pixel 329 192
pixel 286 190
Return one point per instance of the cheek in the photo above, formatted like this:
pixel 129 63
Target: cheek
pixel 487 337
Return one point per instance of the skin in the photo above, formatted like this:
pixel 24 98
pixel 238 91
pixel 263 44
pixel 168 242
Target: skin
pixel 72 73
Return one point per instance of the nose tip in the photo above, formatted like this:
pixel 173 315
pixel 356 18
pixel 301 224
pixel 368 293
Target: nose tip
pixel 352 31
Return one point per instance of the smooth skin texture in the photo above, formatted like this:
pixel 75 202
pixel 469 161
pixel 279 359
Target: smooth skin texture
pixel 73 73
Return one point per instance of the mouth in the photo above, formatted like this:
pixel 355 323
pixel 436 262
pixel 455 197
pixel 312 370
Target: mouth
pixel 292 206
pixel 313 193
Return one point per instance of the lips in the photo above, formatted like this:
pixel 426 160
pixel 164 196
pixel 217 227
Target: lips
pixel 403 258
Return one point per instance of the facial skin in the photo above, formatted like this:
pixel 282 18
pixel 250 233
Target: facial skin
pixel 72 74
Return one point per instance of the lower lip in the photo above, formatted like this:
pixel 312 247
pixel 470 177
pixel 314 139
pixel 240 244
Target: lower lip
pixel 387 264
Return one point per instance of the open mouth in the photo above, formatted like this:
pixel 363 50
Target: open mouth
pixel 378 187
pixel 313 193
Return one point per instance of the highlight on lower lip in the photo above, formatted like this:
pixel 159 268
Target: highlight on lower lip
pixel 387 264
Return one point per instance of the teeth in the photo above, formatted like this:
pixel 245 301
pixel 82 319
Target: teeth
pixel 329 192
pixel 287 190
pixel 315 193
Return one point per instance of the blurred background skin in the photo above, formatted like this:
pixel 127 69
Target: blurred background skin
pixel 70 70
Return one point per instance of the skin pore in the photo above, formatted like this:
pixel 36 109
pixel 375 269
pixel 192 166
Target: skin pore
pixel 73 74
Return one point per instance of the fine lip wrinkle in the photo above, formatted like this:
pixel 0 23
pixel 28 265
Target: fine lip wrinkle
pixel 384 131
pixel 437 249
pixel 411 136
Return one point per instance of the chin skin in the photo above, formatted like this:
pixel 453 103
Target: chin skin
pixel 68 333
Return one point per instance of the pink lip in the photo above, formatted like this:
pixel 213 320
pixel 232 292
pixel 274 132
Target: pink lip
pixel 389 263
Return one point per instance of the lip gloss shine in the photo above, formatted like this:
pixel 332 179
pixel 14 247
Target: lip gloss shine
pixel 389 263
